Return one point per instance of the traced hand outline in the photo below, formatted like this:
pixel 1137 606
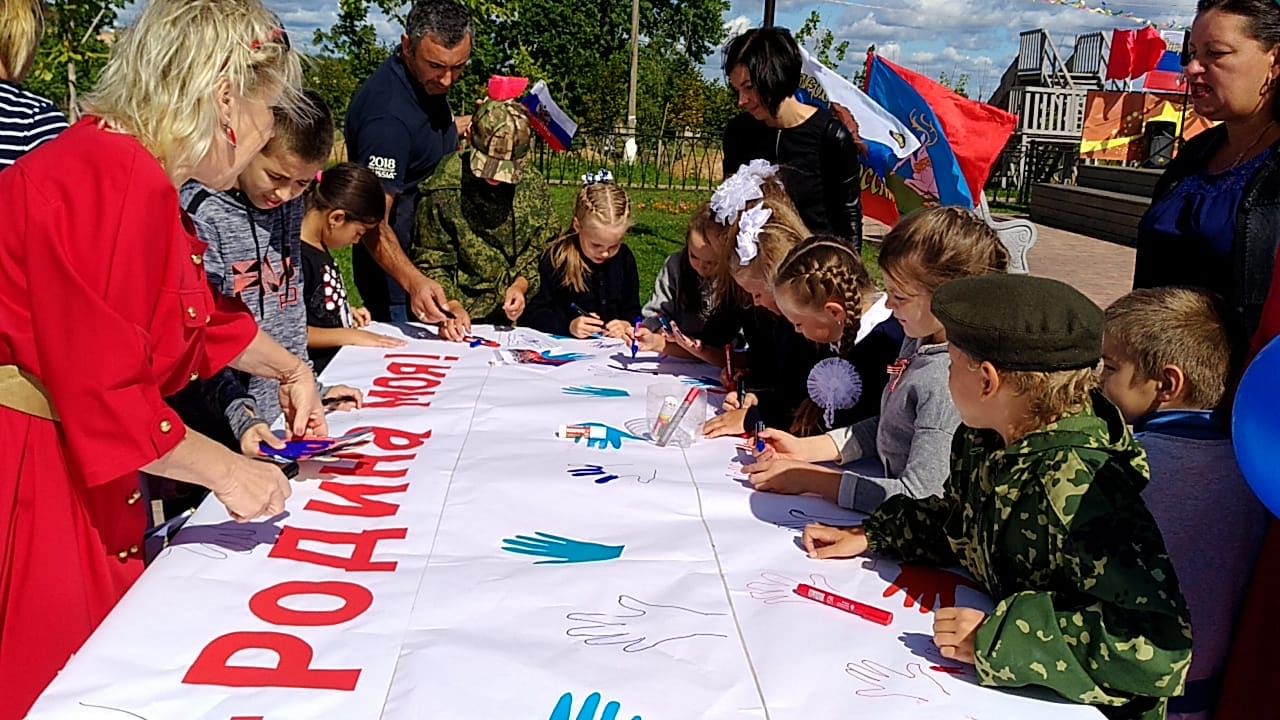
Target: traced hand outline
pixel 613 437
pixel 881 681
pixel 929 587
pixel 603 475
pixel 775 588
pixel 667 622
pixel 231 535
pixel 560 550
pixel 561 358
pixel 596 392
pixel 564 709
pixel 797 519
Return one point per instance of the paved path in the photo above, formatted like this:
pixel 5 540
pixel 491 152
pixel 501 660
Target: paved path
pixel 1099 269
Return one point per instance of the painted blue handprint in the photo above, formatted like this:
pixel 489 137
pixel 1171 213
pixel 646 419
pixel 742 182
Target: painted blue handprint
pixel 704 382
pixel 564 709
pixel 613 437
pixel 560 550
pixel 593 391
pixel 562 358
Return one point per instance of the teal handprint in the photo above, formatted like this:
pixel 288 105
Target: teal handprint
pixel 612 437
pixel 560 550
pixel 564 709
pixel 593 391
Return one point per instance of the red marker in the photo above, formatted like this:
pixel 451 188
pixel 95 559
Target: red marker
pixel 866 612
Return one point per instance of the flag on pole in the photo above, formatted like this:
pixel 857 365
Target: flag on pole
pixel 546 118
pixel 887 139
pixel 1167 77
pixel 960 139
pixel 1134 53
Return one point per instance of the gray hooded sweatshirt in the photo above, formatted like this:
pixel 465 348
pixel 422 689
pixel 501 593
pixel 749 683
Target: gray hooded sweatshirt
pixel 906 449
pixel 254 256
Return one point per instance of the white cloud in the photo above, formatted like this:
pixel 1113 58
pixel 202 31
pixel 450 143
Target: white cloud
pixel 737 26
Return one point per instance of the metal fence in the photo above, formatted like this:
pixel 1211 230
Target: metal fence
pixel 693 161
pixel 678 161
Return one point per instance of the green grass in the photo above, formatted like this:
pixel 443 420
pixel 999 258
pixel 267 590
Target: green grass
pixel 659 221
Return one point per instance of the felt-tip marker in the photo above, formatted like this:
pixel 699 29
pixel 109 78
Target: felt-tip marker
pixel 853 607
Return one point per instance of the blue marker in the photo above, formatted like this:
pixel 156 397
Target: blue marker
pixel 666 324
pixel 759 444
pixel 635 339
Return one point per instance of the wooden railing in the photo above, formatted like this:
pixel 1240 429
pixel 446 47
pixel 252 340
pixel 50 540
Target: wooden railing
pixel 1049 112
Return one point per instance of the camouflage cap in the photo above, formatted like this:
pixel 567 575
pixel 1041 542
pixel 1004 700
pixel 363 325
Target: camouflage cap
pixel 500 141
pixel 1019 322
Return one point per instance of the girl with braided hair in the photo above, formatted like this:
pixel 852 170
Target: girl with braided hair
pixel 589 282
pixel 906 448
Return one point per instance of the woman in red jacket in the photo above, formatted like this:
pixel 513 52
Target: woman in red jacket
pixel 104 311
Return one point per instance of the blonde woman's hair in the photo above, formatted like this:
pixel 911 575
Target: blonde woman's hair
pixel 601 204
pixel 826 269
pixel 935 246
pixel 783 231
pixel 158 84
pixel 21 27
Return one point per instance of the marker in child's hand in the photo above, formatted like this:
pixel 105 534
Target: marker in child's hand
pixel 635 338
pixel 853 607
pixel 728 369
pixel 757 442
pixel 580 312
pixel 666 324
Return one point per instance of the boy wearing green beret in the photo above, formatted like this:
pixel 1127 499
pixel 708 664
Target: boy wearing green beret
pixel 1043 507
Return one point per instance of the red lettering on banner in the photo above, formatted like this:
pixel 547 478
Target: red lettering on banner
pixel 387 400
pixel 266 603
pixel 415 385
pixel 362 546
pixel 419 356
pixel 293 666
pixel 394 439
pixel 367 465
pixel 362 505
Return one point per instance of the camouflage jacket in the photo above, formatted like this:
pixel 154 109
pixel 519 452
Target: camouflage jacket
pixel 1054 528
pixel 475 239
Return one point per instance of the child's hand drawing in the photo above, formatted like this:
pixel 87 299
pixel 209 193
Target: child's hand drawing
pixel 561 551
pixel 595 392
pixel 879 681
pixel 642 626
pixel 604 475
pixel 564 709
pixel 774 588
pixel 928 587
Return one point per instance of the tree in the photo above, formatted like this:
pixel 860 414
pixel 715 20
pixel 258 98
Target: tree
pixel 824 48
pixel 959 85
pixel 74 49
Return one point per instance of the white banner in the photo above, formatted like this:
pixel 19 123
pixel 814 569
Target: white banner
pixel 471 564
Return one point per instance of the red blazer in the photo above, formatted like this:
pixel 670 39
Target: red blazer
pixel 103 298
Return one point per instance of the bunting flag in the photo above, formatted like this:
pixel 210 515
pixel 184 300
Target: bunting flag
pixel 1102 9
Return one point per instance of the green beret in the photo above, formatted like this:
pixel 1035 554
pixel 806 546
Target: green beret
pixel 1019 322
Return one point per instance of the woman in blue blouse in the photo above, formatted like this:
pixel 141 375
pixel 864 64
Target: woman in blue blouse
pixel 1215 219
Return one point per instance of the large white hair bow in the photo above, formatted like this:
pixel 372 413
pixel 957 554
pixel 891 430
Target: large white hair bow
pixel 750 223
pixel 741 188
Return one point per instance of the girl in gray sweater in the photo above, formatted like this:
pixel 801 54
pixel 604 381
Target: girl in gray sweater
pixel 906 449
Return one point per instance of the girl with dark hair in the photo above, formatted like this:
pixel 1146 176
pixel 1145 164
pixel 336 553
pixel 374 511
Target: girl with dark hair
pixel 818 155
pixel 1214 222
pixel 345 205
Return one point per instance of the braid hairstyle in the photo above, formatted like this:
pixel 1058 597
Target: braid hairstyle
pixel 825 269
pixel 935 246
pixel 820 270
pixel 604 204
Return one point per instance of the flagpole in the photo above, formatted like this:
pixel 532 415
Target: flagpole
pixel 1185 55
pixel 768 12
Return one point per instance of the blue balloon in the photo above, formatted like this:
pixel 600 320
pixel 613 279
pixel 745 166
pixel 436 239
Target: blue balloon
pixel 1255 426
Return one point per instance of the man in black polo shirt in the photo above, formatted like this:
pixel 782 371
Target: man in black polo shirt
pixel 399 125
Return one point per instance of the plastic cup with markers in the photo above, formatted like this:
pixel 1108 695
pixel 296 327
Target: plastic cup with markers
pixel 674 414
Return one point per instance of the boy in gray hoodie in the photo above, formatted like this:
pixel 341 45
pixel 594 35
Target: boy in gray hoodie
pixel 254 254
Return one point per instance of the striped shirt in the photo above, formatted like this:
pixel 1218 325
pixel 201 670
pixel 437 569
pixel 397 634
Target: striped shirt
pixel 26 120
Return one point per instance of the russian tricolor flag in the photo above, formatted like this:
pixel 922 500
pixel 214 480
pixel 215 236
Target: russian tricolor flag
pixel 1167 77
pixel 548 120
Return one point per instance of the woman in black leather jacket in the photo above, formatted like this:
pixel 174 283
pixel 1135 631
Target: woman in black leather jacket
pixel 818 155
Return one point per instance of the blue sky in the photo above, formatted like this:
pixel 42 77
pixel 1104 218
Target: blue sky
pixel 977 37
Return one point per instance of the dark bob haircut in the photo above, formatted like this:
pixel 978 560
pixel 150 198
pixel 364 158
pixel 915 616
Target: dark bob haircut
pixel 772 61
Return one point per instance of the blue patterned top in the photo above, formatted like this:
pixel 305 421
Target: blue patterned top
pixel 1204 207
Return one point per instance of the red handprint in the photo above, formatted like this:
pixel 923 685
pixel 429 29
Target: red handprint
pixel 929 587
